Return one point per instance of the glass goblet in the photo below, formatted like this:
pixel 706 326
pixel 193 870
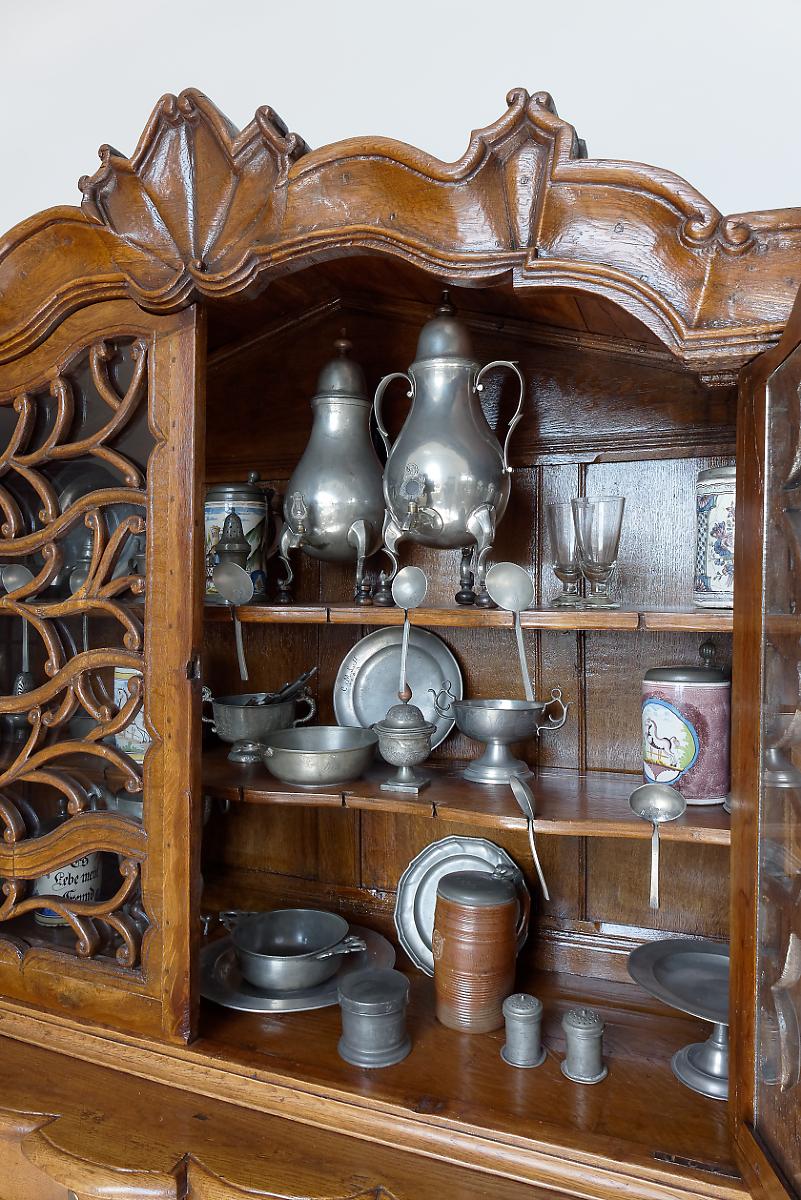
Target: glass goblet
pixel 564 551
pixel 598 522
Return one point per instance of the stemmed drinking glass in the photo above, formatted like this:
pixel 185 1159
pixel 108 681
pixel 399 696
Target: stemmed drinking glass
pixel 564 551
pixel 598 521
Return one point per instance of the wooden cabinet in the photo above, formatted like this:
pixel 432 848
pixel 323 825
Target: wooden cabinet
pixel 167 336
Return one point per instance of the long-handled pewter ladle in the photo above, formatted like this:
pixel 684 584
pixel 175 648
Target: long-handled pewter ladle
pixel 409 589
pixel 657 803
pixel 512 589
pixel 525 798
pixel 236 587
pixel 15 575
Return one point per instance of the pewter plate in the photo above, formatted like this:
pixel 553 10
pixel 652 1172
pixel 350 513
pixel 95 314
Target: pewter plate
pixel 417 889
pixel 222 982
pixel 692 976
pixel 367 681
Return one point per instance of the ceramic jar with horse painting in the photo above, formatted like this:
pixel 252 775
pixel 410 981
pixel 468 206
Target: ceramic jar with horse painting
pixel 686 713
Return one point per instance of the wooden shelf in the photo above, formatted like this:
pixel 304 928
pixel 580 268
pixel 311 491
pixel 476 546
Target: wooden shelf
pixel 567 804
pixel 459 1082
pixel 689 620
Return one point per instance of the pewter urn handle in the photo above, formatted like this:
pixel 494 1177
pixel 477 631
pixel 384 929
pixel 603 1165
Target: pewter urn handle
pixel 379 394
pixel 442 708
pixel 558 722
pixel 478 386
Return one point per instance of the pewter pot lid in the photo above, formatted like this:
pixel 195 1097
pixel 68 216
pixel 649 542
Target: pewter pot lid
pixel 477 889
pixel 688 674
pixel 718 475
pixel 373 991
pixel 242 491
pixel 341 376
pixel 404 718
pixel 444 336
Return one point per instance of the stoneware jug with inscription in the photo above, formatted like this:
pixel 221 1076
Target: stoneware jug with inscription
pixel 334 505
pixel 447 479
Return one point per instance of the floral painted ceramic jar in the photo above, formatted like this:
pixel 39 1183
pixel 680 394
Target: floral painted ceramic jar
pixel 714 548
pixel 686 714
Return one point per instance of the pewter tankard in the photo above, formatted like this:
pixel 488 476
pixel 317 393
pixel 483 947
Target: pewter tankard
pixel 334 507
pixel 446 482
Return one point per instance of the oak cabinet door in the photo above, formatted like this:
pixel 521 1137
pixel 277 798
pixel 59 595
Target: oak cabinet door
pixel 766 829
pixel 99 669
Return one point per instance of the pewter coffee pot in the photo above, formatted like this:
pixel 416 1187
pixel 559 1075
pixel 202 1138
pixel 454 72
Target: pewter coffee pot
pixel 334 507
pixel 446 482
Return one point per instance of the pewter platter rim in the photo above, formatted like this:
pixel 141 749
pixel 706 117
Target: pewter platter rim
pixel 419 869
pixel 645 961
pixel 367 647
pixel 245 998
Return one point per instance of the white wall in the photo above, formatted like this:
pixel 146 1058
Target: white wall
pixel 708 89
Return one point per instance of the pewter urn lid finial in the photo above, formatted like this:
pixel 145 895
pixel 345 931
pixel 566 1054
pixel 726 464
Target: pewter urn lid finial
pixel 341 376
pixel 444 336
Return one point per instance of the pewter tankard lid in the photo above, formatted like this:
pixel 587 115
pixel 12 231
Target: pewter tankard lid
pixel 341 376
pixel 707 673
pixel 240 491
pixel 477 889
pixel 444 336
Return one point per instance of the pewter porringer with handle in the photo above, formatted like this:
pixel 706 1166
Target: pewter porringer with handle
pixel 289 948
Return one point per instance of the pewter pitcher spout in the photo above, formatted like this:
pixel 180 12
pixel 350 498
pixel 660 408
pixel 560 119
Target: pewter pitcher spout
pixel 446 482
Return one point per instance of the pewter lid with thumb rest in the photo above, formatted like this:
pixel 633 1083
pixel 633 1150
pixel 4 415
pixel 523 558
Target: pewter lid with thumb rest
pixel 477 889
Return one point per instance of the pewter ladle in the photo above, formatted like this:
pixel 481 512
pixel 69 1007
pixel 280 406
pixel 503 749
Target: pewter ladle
pixel 236 587
pixel 409 589
pixel 657 803
pixel 525 798
pixel 15 575
pixel 512 589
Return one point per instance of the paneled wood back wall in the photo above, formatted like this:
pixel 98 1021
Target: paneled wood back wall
pixel 603 413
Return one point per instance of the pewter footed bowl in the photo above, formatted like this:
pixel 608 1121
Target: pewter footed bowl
pixel 501 723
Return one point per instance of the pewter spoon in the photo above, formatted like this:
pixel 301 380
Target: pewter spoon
pixel 409 589
pixel 236 587
pixel 513 590
pixel 657 803
pixel 525 798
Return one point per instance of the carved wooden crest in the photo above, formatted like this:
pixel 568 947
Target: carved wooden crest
pixel 203 210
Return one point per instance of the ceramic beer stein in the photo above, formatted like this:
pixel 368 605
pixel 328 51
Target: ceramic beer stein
pixel 477 923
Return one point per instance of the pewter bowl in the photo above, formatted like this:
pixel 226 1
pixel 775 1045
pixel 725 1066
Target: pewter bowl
pixel 319 754
pixel 289 948
pixel 500 723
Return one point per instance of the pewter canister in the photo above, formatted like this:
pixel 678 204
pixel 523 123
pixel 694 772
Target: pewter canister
pixel 373 1005
pixel 714 547
pixel 251 504
pixel 584 1062
pixel 475 948
pixel 686 715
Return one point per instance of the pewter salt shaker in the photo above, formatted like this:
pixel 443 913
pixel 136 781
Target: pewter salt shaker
pixel 373 1003
pixel 584 1032
pixel 523 1016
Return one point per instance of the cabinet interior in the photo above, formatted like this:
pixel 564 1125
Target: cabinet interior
pixel 607 409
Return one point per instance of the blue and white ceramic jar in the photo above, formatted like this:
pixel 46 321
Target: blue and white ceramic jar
pixel 251 504
pixel 714 547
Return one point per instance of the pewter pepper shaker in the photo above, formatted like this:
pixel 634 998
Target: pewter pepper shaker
pixel 523 1016
pixel 584 1032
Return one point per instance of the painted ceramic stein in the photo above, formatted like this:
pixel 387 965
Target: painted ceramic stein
pixel 251 503
pixel 686 715
pixel 78 881
pixel 134 739
pixel 714 548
